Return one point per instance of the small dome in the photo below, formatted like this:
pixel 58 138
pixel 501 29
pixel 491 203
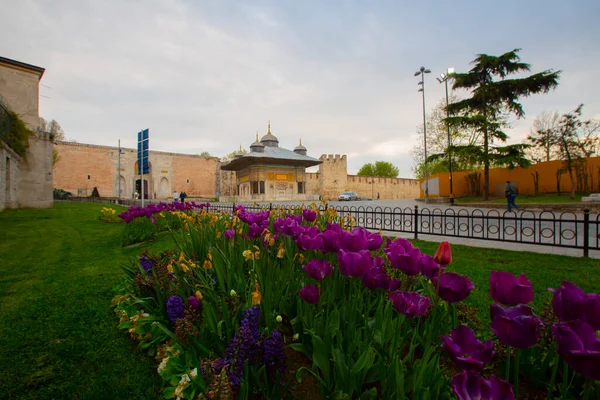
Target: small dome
pixel 300 149
pixel 257 147
pixel 269 139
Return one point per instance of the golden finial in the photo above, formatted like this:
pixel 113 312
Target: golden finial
pixel 269 130
pixel 257 136
pixel 300 141
pixel 240 147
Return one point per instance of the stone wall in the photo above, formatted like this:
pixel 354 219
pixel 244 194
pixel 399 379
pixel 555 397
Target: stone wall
pixel 388 188
pixel 83 167
pixel 9 176
pixel 19 88
pixel 332 176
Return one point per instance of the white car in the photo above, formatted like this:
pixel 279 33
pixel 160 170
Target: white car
pixel 348 196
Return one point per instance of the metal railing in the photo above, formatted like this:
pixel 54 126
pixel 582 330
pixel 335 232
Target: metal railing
pixel 575 230
pixel 544 228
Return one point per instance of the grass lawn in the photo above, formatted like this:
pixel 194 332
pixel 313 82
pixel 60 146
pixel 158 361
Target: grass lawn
pixel 58 335
pixel 542 198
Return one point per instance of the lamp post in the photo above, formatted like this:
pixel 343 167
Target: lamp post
pixel 422 71
pixel 444 79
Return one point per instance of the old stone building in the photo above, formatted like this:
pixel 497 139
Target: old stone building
pixel 25 181
pixel 270 172
pixel 267 173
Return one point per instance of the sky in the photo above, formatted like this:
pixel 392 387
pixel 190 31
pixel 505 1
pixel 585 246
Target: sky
pixel 207 75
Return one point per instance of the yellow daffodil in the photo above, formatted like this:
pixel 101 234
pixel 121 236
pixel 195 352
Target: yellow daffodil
pixel 278 319
pixel 248 255
pixel 256 296
pixel 281 251
pixel 232 293
pixel 199 295
pixel 170 267
pixel 207 264
pixel 300 257
pixel 184 267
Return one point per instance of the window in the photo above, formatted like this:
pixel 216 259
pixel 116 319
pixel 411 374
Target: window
pixel 262 187
pixel 254 187
pixel 187 181
pixel 89 176
pixel 300 187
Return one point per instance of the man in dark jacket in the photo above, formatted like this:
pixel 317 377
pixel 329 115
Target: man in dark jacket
pixel 510 191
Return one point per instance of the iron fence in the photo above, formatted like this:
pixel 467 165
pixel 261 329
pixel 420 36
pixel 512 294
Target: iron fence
pixel 576 230
pixel 545 228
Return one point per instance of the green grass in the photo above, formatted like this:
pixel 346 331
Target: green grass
pixel 58 334
pixel 528 199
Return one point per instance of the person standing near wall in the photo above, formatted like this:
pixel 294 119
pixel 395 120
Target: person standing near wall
pixel 175 197
pixel 510 191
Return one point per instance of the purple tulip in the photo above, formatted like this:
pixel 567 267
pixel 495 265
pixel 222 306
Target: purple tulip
pixel 507 289
pixel 355 240
pixel 570 303
pixel 377 278
pixel 309 215
pixel 430 268
pixel 193 302
pixel 229 233
pixel 406 259
pixel 516 327
pixel 318 269
pixel 309 293
pixel 374 241
pixel 453 287
pixel 470 385
pixel 354 264
pixel 331 241
pixel 579 346
pixel 308 243
pixel 466 351
pixel 411 304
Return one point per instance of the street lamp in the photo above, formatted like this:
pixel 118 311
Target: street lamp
pixel 422 71
pixel 444 79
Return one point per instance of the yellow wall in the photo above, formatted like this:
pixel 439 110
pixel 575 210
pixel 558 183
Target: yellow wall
pixel 523 178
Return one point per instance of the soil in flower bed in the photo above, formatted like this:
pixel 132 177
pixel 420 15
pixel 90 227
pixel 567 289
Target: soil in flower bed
pixel 308 389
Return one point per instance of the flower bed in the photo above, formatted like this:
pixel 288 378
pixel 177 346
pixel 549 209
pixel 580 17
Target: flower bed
pixel 375 318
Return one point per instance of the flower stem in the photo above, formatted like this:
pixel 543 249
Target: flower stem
pixel 565 384
pixel 587 391
pixel 554 371
pixel 508 363
pixel 516 372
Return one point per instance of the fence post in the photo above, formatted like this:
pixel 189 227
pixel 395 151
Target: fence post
pixel 586 233
pixel 233 208
pixel 416 221
pixel 270 207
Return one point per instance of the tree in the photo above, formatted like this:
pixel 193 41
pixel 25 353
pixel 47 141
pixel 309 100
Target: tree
pixel 232 155
pixel 576 141
pixel 52 127
pixel 205 154
pixel 381 169
pixel 437 143
pixel 542 137
pixel 493 98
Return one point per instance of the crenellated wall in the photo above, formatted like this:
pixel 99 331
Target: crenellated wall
pixel 388 188
pixel 333 174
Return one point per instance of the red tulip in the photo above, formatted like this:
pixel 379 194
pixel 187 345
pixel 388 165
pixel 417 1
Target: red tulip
pixel 443 255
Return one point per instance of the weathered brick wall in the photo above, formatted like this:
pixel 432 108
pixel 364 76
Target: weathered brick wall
pixel 332 173
pixel 9 177
pixel 313 183
pixel 388 188
pixel 169 172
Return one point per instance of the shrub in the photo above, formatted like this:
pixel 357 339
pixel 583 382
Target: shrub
pixel 137 231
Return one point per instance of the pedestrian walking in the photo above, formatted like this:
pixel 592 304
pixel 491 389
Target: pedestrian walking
pixel 377 195
pixel 175 197
pixel 510 191
pixel 182 197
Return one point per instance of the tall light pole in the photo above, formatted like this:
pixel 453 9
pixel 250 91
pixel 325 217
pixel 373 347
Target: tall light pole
pixel 422 71
pixel 444 79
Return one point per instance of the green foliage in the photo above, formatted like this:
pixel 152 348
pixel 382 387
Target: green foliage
pixel 137 231
pixel 494 96
pixel 381 169
pixel 18 135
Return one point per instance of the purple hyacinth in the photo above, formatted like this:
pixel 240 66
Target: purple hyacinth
pixel 274 353
pixel 175 309
pixel 466 351
pixel 146 263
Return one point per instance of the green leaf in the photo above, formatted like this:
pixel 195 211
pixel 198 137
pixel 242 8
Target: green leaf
pixel 301 348
pixel 321 357
pixel 333 324
pixel 169 392
pixel 364 362
pixel 369 394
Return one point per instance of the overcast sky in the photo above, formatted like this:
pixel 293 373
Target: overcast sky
pixel 206 75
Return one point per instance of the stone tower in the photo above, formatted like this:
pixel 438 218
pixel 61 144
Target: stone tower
pixel 333 173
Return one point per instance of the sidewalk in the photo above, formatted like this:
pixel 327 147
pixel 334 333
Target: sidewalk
pixel 491 244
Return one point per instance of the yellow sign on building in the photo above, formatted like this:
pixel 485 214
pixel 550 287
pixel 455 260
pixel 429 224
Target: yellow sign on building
pixel 281 177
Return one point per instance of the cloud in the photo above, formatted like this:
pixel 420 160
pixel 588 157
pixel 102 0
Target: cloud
pixel 205 76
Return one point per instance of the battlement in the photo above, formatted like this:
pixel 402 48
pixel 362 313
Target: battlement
pixel 332 157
